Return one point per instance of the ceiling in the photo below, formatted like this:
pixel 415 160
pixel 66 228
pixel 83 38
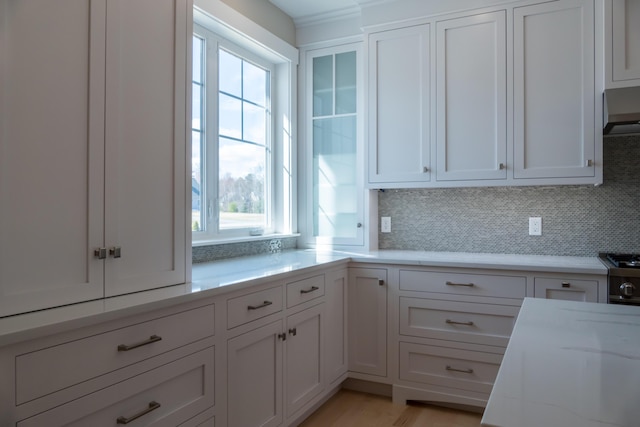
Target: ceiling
pixel 303 9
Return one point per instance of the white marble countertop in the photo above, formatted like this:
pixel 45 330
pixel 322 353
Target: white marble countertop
pixel 213 278
pixel 569 364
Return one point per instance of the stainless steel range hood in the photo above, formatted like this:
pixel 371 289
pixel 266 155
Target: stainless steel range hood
pixel 621 111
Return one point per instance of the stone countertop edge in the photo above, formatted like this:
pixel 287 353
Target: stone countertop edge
pixel 214 278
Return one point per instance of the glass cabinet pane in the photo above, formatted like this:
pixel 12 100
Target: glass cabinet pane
pixel 323 86
pixel 346 83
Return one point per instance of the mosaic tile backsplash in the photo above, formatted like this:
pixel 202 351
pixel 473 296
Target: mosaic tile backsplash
pixel 232 250
pixel 576 220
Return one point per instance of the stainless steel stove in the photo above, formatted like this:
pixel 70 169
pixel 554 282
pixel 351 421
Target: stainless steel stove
pixel 624 277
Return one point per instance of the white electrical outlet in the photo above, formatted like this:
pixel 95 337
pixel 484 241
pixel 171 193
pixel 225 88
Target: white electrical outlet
pixel 385 224
pixel 535 226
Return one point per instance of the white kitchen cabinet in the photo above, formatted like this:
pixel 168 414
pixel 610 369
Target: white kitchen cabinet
pixel 622 43
pixel 399 128
pixel 97 374
pixel 303 360
pixel 368 321
pixel 93 118
pixel 471 98
pixel 335 332
pixel 254 377
pixel 568 288
pixel 454 326
pixel 554 93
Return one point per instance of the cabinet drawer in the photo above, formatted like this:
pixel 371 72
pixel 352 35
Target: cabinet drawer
pixel 171 394
pixel 305 290
pixel 488 324
pixel 446 367
pixel 253 306
pixel 50 369
pixel 566 289
pixel 463 284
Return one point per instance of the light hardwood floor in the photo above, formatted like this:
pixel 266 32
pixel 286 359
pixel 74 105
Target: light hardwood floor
pixel 354 409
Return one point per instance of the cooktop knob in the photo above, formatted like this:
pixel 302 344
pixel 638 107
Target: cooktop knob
pixel 627 289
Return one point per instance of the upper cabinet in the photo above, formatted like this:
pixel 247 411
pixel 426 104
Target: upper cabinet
pixel 399 128
pixel 92 149
pixel 510 96
pixel 471 98
pixel 622 43
pixel 554 92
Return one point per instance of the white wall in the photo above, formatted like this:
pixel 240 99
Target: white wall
pixel 265 14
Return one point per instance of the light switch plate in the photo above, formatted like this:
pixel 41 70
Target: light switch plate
pixel 385 224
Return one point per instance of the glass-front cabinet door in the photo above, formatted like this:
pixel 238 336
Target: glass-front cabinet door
pixel 333 130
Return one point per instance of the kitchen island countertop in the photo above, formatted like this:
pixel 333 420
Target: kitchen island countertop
pixel 569 364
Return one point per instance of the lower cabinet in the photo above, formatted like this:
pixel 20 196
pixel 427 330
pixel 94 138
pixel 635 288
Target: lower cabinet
pixel 303 361
pixel 368 321
pixel 165 396
pixel 254 378
pixel 566 289
pixel 335 332
pixel 156 369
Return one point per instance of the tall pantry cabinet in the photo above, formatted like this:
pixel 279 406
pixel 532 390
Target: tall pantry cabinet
pixel 93 114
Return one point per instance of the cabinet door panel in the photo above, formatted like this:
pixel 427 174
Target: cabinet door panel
pixel 368 321
pixel 554 132
pixel 303 358
pixel 471 96
pixel 254 384
pixel 336 325
pixel 626 40
pixel 145 137
pixel 399 127
pixel 51 176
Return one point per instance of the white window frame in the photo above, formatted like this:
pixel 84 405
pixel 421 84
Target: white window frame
pixel 281 59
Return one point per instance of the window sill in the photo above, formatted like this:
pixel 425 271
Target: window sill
pixel 242 239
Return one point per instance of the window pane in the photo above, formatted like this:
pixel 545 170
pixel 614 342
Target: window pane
pixel 255 125
pixel 255 84
pixel 334 177
pixel 230 115
pixel 346 83
pixel 230 74
pixel 196 107
pixel 242 194
pixel 198 45
pixel 323 86
pixel 197 198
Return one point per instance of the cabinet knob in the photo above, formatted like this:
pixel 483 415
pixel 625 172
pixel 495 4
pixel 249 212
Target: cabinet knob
pixel 282 336
pixel 100 253
pixel 293 331
pixel 502 166
pixel 380 282
pixel 566 284
pixel 425 169
pixel 115 251
pixel 589 163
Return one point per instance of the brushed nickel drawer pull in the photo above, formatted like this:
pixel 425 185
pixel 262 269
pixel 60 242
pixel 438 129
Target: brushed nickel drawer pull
pixel 469 285
pixel 255 307
pixel 464 371
pixel 152 407
pixel 308 291
pixel 566 284
pixel 152 339
pixel 453 322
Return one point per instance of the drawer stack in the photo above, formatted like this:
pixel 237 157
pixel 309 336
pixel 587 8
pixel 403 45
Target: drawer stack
pixel 159 370
pixel 453 330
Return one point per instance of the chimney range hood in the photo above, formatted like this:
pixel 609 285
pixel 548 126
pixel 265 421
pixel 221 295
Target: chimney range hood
pixel 621 111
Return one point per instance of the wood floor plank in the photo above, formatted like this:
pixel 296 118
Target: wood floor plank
pixel 354 409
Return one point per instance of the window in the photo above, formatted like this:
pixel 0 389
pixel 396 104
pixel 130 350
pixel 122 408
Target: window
pixel 234 130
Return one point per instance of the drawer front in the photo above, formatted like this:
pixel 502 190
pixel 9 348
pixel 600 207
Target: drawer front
pixel 463 284
pixel 45 371
pixel 487 324
pixel 305 290
pixel 166 396
pixel 247 308
pixel 566 289
pixel 446 367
